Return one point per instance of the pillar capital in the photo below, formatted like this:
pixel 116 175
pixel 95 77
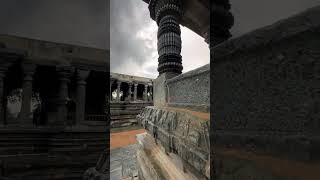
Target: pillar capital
pixel 221 20
pixel 82 76
pixel 161 8
pixel 28 71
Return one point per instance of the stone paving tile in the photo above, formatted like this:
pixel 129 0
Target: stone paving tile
pixel 123 163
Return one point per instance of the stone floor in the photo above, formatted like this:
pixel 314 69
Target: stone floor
pixel 123 163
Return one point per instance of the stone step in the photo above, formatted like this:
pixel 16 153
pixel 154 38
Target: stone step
pixel 116 117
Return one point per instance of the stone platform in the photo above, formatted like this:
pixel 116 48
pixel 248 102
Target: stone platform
pixel 47 153
pixel 176 145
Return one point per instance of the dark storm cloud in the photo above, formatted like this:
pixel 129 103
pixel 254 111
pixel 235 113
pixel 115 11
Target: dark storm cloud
pixel 253 14
pixel 80 22
pixel 132 35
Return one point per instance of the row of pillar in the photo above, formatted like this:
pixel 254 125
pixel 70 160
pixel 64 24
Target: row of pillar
pixel 64 73
pixel 135 91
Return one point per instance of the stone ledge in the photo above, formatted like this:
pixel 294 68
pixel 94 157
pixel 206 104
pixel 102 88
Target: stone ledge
pixel 190 90
pixel 234 161
pixel 190 74
pixel 298 147
pixel 281 30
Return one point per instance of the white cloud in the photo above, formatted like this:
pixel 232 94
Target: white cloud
pixel 136 53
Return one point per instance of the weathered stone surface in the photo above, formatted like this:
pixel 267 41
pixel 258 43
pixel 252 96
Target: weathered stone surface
pixel 269 95
pixel 265 94
pixel 191 90
pixel 180 133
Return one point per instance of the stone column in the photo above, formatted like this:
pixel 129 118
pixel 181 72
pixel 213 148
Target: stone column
pixel 2 105
pixel 221 20
pixel 25 116
pixel 135 92
pixel 62 111
pixel 130 92
pixel 111 82
pixel 167 14
pixel 118 90
pixel 145 92
pixel 81 95
pixel 151 93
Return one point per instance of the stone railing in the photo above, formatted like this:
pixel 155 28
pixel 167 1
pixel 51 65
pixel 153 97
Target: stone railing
pixel 96 117
pixel 190 90
pixel 179 133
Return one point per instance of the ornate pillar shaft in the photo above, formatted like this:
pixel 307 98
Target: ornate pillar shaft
pixel 2 105
pixel 145 92
pixel 63 96
pixel 25 116
pixel 151 93
pixel 118 90
pixel 130 91
pixel 81 95
pixel 167 14
pixel 221 20
pixel 135 92
pixel 111 82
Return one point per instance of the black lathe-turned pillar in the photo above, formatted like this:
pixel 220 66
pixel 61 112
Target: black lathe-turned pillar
pixel 135 92
pixel 82 76
pixel 25 116
pixel 62 111
pixel 130 91
pixel 118 90
pixel 167 14
pixel 221 20
pixel 2 105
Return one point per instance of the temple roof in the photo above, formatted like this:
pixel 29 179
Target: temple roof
pixel 52 53
pixel 130 78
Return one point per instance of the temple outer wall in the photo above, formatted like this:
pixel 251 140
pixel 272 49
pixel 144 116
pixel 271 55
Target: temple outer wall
pixel 266 100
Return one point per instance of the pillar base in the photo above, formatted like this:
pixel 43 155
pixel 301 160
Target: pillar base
pixel 160 89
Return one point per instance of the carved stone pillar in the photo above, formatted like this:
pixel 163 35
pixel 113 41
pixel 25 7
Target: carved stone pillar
pixel 62 111
pixel 221 20
pixel 151 93
pixel 2 105
pixel 130 92
pixel 135 92
pixel 145 92
pixel 118 90
pixel 82 76
pixel 25 116
pixel 111 82
pixel 167 14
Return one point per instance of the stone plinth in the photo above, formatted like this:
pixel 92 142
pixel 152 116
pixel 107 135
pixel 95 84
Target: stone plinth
pixel 47 153
pixel 176 146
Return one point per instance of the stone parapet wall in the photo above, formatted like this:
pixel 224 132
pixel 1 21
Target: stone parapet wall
pixel 181 133
pixel 265 93
pixel 190 90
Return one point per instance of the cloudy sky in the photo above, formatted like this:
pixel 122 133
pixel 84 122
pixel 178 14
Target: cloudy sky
pixel 252 14
pixel 134 41
pixel 79 22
